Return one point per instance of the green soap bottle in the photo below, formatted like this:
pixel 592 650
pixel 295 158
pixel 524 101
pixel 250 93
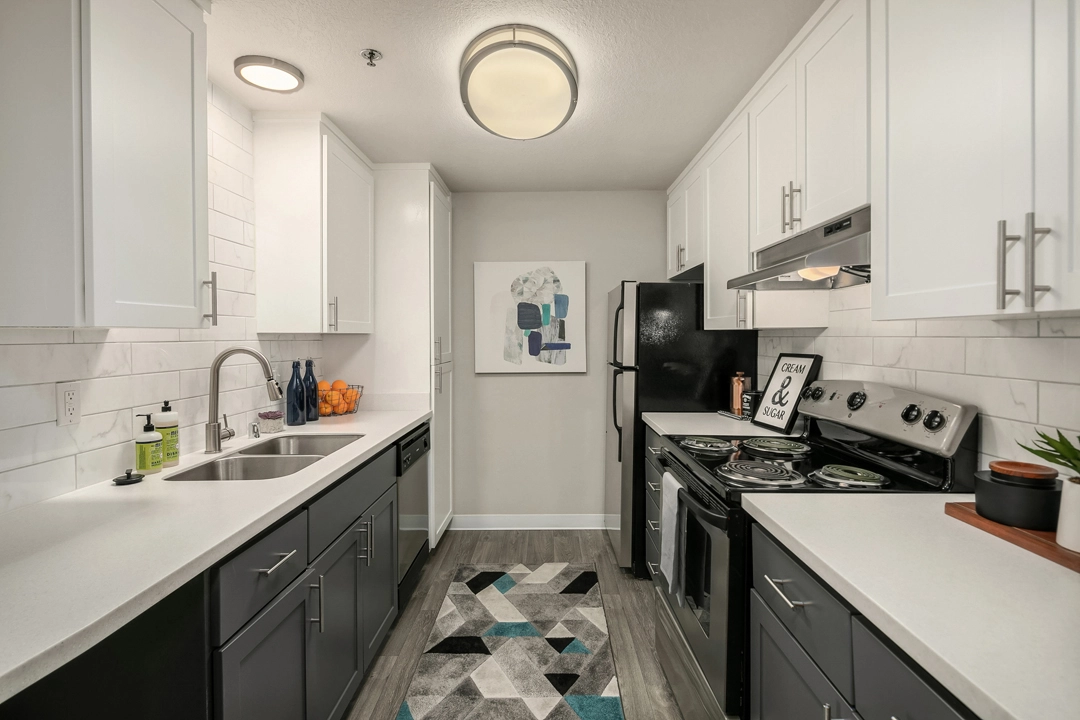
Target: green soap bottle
pixel 148 449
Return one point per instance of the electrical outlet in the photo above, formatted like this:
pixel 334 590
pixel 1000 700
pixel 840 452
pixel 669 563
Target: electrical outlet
pixel 68 403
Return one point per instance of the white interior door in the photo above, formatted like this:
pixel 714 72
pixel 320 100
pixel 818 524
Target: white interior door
pixel 832 119
pixel 727 246
pixel 772 158
pixel 442 344
pixel 442 454
pixel 951 123
pixel 349 227
pixel 144 163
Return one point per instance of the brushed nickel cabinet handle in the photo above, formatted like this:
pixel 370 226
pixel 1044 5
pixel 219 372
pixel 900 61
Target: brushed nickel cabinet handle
pixel 792 604
pixel 1032 234
pixel 1003 240
pixel 654 451
pixel 783 210
pixel 212 316
pixel 653 567
pixel 364 529
pixel 791 204
pixel 653 525
pixel 322 605
pixel 653 486
pixel 827 714
pixel 371 539
pixel 284 559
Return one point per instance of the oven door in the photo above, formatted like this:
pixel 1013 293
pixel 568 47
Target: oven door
pixel 702 606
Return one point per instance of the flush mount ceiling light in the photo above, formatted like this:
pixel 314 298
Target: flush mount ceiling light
pixel 518 82
pixel 268 73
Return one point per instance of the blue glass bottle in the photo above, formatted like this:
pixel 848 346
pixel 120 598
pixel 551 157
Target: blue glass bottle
pixel 311 391
pixel 296 398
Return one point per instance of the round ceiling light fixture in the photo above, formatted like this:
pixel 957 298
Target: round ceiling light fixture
pixel 268 73
pixel 518 82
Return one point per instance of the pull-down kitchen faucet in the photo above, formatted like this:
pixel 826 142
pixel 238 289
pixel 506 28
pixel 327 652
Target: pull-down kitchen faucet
pixel 215 433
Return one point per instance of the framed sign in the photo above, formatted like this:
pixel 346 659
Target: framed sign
pixel 779 404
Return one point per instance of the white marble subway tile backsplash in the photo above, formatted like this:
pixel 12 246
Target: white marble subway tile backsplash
pixel 1023 374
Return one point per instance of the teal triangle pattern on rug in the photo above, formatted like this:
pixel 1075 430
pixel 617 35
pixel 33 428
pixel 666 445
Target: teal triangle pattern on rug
pixel 404 713
pixel 504 583
pixel 512 629
pixel 595 707
pixel 576 647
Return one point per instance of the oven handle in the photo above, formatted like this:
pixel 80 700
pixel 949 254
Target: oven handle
pixel 716 520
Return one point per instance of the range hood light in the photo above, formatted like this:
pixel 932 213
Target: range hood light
pixel 819 273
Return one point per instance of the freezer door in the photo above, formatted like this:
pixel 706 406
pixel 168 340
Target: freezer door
pixel 622 324
pixel 619 462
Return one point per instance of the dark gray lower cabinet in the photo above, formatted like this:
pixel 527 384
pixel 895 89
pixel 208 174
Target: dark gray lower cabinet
pixel 378 574
pixel 785 684
pixel 262 672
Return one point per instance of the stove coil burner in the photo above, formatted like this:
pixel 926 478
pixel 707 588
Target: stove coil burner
pixel 755 474
pixel 775 448
pixel 846 477
pixel 706 445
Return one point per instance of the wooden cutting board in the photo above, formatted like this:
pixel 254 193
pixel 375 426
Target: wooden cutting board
pixel 1041 543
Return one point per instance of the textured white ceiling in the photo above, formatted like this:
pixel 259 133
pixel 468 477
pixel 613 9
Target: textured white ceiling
pixel 657 77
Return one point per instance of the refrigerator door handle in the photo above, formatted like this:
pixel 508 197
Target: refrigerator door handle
pixel 615 334
pixel 615 407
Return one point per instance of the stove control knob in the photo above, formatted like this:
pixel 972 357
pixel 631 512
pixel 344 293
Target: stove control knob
pixel 817 393
pixel 856 400
pixel 934 421
pixel 807 393
pixel 911 414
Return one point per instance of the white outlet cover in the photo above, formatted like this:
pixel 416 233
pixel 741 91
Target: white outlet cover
pixel 68 403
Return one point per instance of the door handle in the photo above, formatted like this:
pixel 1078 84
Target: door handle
pixel 1003 240
pixel 284 559
pixel 783 210
pixel 1032 234
pixel 791 203
pixel 367 555
pixel 792 604
pixel 682 256
pixel 652 486
pixel 371 539
pixel 332 325
pixel 653 525
pixel 438 355
pixel 615 335
pixel 213 314
pixel 322 605
pixel 615 407
pixel 653 568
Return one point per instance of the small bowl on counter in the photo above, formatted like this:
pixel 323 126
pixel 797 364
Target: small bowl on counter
pixel 1019 494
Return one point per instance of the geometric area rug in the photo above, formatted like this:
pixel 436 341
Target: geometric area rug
pixel 517 642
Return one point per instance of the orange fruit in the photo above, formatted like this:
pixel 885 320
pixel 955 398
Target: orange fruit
pixel 323 385
pixel 339 385
pixel 325 408
pixel 352 405
pixel 351 395
pixel 333 397
pixel 340 408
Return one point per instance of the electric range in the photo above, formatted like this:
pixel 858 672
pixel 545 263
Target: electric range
pixel 861 437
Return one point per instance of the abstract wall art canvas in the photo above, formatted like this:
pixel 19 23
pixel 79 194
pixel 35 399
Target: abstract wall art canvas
pixel 530 317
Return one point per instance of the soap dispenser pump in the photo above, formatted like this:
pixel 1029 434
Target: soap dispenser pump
pixel 148 455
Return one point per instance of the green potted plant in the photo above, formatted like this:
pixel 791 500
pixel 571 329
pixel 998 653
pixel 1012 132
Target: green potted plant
pixel 1061 451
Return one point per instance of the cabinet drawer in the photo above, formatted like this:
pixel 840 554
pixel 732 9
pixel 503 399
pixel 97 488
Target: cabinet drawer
pixel 652 556
pixel 888 688
pixel 652 521
pixel 334 512
pixel 654 482
pixel 822 626
pixel 243 585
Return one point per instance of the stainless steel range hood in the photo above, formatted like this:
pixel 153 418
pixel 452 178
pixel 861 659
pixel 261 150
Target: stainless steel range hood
pixel 842 242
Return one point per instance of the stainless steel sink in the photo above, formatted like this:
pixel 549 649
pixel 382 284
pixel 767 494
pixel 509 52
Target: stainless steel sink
pixel 300 445
pixel 241 467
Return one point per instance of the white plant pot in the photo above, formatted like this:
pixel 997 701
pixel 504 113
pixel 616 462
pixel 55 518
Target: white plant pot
pixel 1068 528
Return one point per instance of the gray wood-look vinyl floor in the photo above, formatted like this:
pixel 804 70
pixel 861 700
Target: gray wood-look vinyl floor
pixel 628 603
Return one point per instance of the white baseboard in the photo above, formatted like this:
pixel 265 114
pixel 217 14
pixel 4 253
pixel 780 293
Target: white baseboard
pixel 528 522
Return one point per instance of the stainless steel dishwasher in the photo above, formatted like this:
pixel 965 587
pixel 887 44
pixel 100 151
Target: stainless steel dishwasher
pixel 413 546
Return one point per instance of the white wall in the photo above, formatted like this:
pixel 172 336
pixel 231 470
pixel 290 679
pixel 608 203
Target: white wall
pixel 1022 374
pixel 125 371
pixel 534 444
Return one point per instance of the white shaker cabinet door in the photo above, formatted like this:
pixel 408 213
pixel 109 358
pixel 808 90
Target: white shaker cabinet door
pixel 676 233
pixel 772 159
pixel 694 254
pixel 144 161
pixel 832 119
pixel 349 227
pixel 442 348
pixel 951 154
pixel 727 248
pixel 442 450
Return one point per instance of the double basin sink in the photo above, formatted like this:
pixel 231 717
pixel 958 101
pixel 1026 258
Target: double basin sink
pixel 272 458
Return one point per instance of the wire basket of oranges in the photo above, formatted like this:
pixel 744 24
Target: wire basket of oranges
pixel 338 398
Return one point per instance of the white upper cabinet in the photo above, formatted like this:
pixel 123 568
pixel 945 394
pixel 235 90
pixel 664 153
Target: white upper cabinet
pixel 104 175
pixel 772 159
pixel 441 342
pixel 727 255
pixel 686 226
pixel 316 227
pixel 831 118
pixel 676 233
pixel 971 129
pixel 349 225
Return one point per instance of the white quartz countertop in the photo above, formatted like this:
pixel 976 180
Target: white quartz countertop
pixel 706 423
pixel 77 567
pixel 998 626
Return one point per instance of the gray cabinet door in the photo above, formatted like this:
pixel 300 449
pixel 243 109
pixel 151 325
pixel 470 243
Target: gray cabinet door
pixel 378 574
pixel 335 656
pixel 261 674
pixel 784 682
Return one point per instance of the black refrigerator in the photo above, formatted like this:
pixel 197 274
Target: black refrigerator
pixel 660 359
